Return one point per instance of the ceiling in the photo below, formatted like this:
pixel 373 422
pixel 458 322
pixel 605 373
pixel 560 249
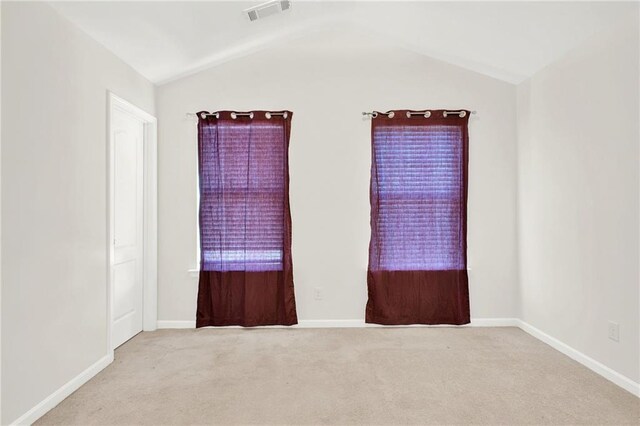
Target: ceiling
pixel 506 40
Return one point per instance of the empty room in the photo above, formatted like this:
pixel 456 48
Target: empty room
pixel 295 212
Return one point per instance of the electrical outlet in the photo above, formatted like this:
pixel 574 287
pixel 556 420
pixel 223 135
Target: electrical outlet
pixel 317 293
pixel 614 331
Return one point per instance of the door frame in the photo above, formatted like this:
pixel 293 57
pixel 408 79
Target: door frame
pixel 150 214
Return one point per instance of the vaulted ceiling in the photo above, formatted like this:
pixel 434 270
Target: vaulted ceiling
pixel 506 40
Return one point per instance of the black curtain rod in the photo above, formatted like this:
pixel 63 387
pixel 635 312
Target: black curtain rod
pixel 237 114
pixel 426 113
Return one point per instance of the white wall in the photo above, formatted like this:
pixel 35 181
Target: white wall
pixel 0 211
pixel 54 98
pixel 327 80
pixel 578 198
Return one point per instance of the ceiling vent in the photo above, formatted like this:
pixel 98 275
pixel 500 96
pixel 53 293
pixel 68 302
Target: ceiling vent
pixel 267 9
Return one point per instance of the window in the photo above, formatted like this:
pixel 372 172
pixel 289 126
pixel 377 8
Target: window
pixel 419 197
pixel 246 270
pixel 418 252
pixel 242 196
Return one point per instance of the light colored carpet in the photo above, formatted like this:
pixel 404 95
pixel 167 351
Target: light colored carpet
pixel 344 376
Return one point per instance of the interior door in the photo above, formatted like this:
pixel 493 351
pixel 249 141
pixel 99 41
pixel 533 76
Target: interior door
pixel 127 137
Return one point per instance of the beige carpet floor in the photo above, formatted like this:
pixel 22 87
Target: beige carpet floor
pixel 370 376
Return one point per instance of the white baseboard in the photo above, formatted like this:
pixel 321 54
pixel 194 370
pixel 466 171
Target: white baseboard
pixel 351 323
pixel 596 366
pixel 67 389
pixel 330 323
pixel 495 322
pixel 475 322
pixel 302 324
pixel 176 324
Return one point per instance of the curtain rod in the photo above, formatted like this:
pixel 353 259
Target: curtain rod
pixel 426 114
pixel 269 114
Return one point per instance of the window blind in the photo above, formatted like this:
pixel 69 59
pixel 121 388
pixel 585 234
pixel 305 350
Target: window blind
pixel 242 165
pixel 418 188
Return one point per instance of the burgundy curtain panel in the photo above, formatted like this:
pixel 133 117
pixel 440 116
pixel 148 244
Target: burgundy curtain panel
pixel 418 251
pixel 246 270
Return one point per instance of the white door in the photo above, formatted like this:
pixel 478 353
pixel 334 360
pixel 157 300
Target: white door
pixel 127 137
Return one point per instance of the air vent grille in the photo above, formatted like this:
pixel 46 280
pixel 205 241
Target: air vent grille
pixel 267 9
pixel 253 15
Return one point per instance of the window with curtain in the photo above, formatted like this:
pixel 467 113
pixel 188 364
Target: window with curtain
pixel 242 197
pixel 245 223
pixel 417 256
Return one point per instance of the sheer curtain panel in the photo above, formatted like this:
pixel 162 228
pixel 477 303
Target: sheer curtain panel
pixel 418 251
pixel 246 270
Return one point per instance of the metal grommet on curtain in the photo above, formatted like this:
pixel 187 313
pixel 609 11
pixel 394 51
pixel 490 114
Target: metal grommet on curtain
pixel 285 115
pixel 203 115
pixel 462 114
pixel 268 115
pixel 444 114
pixel 391 114
pixel 251 115
pixel 427 114
pixel 408 114
pixel 233 115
